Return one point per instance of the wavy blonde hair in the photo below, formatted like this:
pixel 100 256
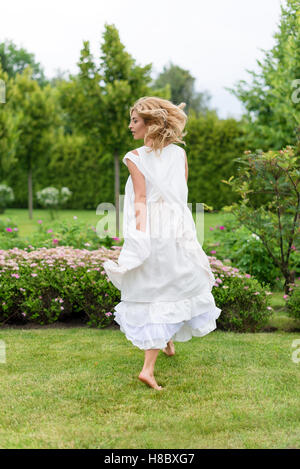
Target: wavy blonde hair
pixel 164 120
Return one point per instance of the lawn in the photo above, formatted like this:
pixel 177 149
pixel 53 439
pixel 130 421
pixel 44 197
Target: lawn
pixel 78 388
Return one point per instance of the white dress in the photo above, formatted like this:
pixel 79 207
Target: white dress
pixel 163 274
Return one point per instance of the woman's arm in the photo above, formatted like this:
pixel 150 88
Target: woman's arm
pixel 139 186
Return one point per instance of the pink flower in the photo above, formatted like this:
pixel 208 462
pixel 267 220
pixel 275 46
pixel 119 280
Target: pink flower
pixel 211 229
pixel 257 293
pixel 33 275
pixel 246 288
pixel 50 231
pixel 285 297
pixel 55 241
pixel 15 275
pixel 16 229
pixel 8 229
pixel 213 252
pixel 116 239
pixel 40 221
pixel 222 227
pixel 247 275
pixel 108 314
pixel 269 307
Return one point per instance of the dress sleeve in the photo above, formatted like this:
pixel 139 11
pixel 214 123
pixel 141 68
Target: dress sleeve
pixel 131 156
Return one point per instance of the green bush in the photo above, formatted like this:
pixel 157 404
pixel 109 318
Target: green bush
pixel 246 251
pixel 59 284
pixel 293 304
pixel 244 301
pixel 47 285
pixel 55 233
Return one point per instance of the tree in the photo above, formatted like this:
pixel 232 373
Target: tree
pixel 182 87
pixel 8 129
pixel 276 175
pixel 272 101
pixel 35 110
pixel 14 60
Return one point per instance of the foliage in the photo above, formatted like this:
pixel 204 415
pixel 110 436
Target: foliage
pixel 182 87
pixel 269 184
pixel 34 109
pixel 14 60
pixel 272 100
pixel 8 129
pixel 293 304
pixel 56 233
pixel 245 250
pixel 243 300
pixel 52 198
pixel 211 145
pixel 46 285
pixel 6 196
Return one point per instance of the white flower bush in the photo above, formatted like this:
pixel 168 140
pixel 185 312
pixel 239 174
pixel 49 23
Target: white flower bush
pixel 51 197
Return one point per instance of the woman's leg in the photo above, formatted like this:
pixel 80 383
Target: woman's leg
pixel 169 349
pixel 147 373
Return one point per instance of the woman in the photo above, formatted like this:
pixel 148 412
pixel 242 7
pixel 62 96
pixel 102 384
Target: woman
pixel 163 274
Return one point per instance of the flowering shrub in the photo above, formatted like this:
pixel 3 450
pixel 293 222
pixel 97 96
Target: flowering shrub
pixel 47 285
pixel 244 302
pixel 246 251
pixel 268 184
pixel 55 233
pixel 293 304
pixel 8 228
pixel 52 198
pixel 6 196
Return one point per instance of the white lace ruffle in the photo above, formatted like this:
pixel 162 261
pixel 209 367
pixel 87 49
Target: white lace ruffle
pixel 179 321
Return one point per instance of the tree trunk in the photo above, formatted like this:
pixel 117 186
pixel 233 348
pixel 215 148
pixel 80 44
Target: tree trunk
pixel 289 278
pixel 30 192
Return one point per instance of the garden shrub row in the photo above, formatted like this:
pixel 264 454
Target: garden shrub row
pixel 45 285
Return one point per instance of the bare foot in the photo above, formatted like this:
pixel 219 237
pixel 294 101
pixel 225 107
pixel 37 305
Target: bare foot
pixel 150 380
pixel 169 349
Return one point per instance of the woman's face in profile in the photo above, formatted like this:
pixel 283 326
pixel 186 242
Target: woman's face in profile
pixel 137 126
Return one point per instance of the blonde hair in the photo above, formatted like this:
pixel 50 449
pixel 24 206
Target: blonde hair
pixel 164 120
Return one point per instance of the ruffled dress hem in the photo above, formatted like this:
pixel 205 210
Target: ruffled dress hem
pixel 146 329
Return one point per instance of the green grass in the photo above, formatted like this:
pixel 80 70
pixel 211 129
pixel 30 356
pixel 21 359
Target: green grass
pixel 28 226
pixel 78 388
